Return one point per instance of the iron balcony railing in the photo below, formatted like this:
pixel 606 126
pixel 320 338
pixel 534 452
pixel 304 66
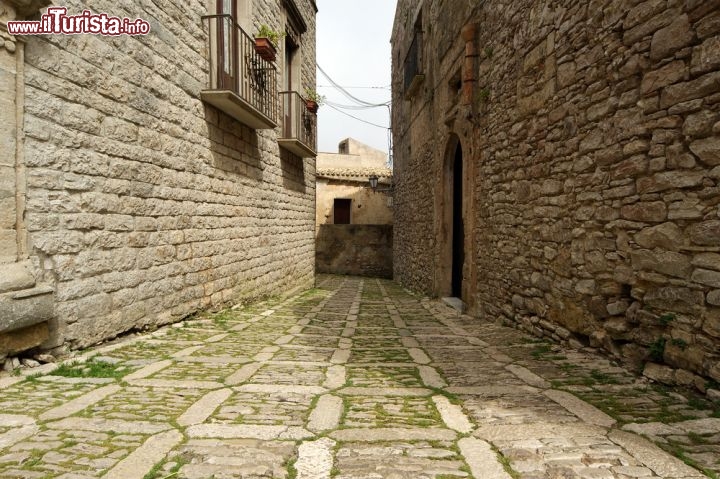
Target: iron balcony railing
pixel 241 82
pixel 299 125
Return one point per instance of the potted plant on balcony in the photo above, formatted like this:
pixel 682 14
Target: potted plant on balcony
pixel 313 100
pixel 266 41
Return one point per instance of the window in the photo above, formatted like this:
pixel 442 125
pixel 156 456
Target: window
pixel 413 61
pixel 341 210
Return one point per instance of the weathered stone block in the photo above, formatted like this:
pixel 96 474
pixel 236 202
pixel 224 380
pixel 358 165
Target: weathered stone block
pixel 706 57
pixel 673 298
pixel 668 180
pixel 706 233
pixel 17 341
pixel 659 373
pixel 681 92
pixel 713 297
pixel 16 276
pixel 618 328
pixel 687 209
pixel 25 308
pixel 566 74
pixel 665 262
pixel 631 168
pixel 700 124
pixel 573 317
pixel 706 277
pixel 715 173
pixel 711 322
pixel 708 150
pixel 8 244
pixel 666 75
pixel 651 212
pixel 667 236
pixel 686 357
pixel 668 40
pixel 617 308
pixel 586 286
pixel 707 261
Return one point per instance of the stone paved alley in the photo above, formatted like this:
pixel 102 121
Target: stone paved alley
pixel 355 379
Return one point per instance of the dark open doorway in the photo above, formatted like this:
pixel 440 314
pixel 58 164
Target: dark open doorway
pixel 341 209
pixel 458 228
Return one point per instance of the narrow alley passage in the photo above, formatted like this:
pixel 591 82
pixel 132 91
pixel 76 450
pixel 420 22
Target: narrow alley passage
pixel 355 379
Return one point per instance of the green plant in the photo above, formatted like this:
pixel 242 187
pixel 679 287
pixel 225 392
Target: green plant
pixel 483 95
pixel 312 95
pixel 157 471
pixel 602 378
pixel 90 369
pixel 505 462
pixel 489 52
pixel 678 451
pixel 540 351
pixel 657 350
pixel 666 319
pixel 266 32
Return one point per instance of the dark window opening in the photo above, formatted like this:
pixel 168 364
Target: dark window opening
pixel 413 61
pixel 342 211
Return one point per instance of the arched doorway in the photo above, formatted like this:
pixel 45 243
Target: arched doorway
pixel 451 275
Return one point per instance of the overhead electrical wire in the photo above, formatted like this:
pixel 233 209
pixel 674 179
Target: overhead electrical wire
pixel 388 87
pixel 346 93
pixel 361 105
pixel 358 119
pixel 353 107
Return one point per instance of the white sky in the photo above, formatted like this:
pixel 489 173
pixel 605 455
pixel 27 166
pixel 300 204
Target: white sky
pixel 353 47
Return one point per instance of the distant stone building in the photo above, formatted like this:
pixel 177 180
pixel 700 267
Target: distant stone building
pixel 143 178
pixel 344 197
pixel 558 167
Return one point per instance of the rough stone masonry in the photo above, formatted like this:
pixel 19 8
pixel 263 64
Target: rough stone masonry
pixel 590 140
pixel 137 203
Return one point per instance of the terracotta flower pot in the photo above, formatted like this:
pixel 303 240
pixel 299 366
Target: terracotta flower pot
pixel 265 48
pixel 312 106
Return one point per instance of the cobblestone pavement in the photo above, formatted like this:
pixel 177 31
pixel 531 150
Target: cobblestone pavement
pixel 356 379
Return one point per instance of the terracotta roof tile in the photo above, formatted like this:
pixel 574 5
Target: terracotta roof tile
pixel 348 173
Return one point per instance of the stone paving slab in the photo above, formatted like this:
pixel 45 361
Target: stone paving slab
pixel 355 379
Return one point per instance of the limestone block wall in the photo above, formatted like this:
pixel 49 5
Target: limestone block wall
pixel 357 250
pixel 26 307
pixel 8 134
pixel 591 144
pixel 145 205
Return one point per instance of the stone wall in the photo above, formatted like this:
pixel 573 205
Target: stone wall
pixel 356 250
pixel 591 147
pixel 145 205
pixel 26 307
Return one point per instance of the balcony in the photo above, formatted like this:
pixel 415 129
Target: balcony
pixel 242 84
pixel 413 73
pixel 299 126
